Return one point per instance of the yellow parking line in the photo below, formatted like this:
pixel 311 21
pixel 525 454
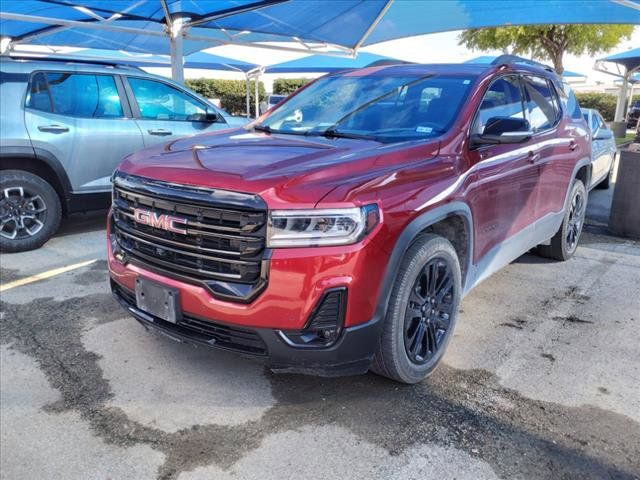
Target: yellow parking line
pixel 44 275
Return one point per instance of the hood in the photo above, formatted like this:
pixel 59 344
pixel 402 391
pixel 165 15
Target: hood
pixel 283 169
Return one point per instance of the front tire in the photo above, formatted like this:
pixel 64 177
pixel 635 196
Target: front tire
pixel 565 242
pixel 422 311
pixel 30 211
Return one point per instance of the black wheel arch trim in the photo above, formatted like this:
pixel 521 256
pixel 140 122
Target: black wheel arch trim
pixel 409 234
pixel 45 156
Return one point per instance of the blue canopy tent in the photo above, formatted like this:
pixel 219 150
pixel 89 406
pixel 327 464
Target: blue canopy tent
pixel 485 59
pixel 185 26
pixel 322 63
pixel 629 61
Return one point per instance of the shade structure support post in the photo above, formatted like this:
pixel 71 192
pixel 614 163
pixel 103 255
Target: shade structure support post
pixel 248 93
pixel 622 99
pixel 256 100
pixel 176 40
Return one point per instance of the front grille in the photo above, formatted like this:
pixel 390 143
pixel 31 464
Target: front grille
pixel 221 241
pixel 202 331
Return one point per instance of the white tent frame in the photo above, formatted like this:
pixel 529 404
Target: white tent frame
pixel 176 30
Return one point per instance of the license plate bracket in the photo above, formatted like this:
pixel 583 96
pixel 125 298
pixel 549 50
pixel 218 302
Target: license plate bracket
pixel 158 300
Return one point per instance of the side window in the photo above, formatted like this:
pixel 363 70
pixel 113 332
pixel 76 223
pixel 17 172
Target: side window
pixel 159 101
pixel 502 99
pixel 75 95
pixel 542 107
pixel 595 123
pixel 39 97
pixel 570 102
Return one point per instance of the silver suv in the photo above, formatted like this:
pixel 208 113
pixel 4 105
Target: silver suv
pixel 66 126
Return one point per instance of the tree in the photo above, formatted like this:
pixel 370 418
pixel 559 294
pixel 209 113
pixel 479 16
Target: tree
pixel 547 42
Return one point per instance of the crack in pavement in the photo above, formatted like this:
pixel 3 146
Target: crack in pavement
pixel 465 409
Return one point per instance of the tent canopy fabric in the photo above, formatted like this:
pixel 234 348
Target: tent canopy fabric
pixel 347 24
pixel 630 59
pixel 486 59
pixel 322 63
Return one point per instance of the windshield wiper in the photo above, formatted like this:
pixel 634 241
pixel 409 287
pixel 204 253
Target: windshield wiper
pixel 335 133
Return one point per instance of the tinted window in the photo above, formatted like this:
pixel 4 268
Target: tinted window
pixel 595 123
pixel 570 102
pixel 502 99
pixel 39 97
pixel 76 95
pixel 541 105
pixel 386 108
pixel 159 101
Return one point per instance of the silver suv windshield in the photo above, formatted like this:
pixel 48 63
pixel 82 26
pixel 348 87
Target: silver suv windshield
pixel 384 108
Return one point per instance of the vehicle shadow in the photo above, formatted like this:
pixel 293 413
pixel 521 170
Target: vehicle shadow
pixel 82 223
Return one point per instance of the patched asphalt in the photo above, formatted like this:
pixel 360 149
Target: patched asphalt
pixel 542 381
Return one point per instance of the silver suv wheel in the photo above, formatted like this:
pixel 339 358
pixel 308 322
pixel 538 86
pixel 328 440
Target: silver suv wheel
pixel 21 213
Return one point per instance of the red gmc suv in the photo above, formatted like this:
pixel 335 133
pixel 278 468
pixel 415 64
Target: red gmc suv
pixel 339 231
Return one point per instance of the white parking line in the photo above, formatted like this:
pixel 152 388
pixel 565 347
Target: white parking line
pixel 44 275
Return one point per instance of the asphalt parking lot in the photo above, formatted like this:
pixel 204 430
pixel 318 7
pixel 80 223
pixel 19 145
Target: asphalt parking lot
pixel 542 381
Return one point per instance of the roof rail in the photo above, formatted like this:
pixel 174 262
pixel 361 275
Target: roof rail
pixel 387 61
pixel 67 59
pixel 511 59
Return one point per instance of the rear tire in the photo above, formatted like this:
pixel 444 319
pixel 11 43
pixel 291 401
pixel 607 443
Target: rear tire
pixel 422 311
pixel 565 242
pixel 30 211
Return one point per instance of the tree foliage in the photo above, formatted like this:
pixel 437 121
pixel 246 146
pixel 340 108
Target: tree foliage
pixel 232 93
pixel 286 86
pixel 605 103
pixel 547 42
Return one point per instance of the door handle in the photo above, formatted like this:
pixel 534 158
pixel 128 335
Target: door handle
pixel 572 145
pixel 533 157
pixel 159 131
pixel 53 128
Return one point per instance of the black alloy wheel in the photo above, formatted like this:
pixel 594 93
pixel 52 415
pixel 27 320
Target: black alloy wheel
pixel 429 310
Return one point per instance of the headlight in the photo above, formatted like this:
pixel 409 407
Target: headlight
pixel 320 227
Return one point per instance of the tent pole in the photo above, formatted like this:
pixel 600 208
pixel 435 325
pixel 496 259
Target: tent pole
pixel 177 52
pixel 622 99
pixel 247 89
pixel 255 94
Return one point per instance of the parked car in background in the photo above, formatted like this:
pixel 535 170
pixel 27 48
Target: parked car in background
pixel 65 127
pixel 340 233
pixel 633 115
pixel 603 149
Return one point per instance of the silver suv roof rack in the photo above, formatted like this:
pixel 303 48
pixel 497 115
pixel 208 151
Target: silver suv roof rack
pixel 68 59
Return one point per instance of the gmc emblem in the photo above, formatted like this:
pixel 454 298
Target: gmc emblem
pixel 165 222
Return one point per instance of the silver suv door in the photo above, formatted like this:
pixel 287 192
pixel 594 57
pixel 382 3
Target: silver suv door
pixel 82 120
pixel 164 111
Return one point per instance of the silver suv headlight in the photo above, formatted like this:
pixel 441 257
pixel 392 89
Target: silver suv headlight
pixel 320 227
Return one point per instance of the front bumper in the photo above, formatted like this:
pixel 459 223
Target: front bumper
pixel 351 354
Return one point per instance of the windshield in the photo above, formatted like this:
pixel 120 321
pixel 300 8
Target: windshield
pixel 387 109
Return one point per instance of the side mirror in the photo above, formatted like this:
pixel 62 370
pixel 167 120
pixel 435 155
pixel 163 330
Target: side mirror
pixel 503 130
pixel 212 115
pixel 603 134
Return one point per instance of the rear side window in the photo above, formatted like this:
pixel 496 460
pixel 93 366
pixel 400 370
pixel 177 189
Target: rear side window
pixel 570 102
pixel 75 95
pixel 502 99
pixel 541 103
